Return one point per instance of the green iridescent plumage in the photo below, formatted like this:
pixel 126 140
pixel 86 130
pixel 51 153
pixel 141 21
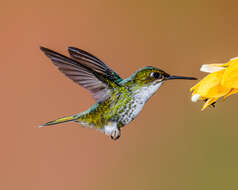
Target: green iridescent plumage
pixel 118 101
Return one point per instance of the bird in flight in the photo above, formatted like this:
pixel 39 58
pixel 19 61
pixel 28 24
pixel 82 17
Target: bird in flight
pixel 118 101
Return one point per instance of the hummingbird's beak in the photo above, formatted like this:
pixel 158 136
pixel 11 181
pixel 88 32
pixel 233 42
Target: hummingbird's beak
pixel 171 77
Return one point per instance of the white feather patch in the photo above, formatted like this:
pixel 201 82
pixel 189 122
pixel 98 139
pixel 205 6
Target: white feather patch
pixel 110 128
pixel 144 93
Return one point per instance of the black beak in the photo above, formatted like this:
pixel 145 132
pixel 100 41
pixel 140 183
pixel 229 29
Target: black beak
pixel 171 77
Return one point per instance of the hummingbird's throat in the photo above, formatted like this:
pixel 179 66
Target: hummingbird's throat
pixel 142 94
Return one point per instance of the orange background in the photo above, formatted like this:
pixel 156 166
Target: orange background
pixel 172 145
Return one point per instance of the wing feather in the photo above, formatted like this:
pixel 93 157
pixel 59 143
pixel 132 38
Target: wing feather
pixel 93 62
pixel 98 83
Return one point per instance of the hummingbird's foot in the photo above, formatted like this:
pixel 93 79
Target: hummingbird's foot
pixel 112 130
pixel 116 134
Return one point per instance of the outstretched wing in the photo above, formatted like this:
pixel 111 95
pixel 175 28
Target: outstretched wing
pixel 99 84
pixel 94 63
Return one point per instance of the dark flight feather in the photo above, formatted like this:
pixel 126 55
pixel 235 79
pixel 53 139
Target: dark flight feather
pixel 92 78
pixel 94 63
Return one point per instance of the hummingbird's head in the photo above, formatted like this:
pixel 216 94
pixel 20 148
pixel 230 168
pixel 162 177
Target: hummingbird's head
pixel 152 76
pixel 145 82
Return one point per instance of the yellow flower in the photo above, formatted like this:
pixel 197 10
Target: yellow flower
pixel 222 82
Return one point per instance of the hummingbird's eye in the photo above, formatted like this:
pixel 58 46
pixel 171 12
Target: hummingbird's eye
pixel 155 75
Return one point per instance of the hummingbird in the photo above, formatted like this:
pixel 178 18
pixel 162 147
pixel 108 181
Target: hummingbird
pixel 118 101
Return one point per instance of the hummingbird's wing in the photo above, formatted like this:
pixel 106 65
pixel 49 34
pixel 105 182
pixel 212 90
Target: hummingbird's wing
pixel 98 82
pixel 94 63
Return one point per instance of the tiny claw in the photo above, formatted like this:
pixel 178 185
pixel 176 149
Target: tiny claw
pixel 116 135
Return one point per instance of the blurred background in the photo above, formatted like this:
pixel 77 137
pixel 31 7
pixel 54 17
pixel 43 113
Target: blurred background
pixel 172 145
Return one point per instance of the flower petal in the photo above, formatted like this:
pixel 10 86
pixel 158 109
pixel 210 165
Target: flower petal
pixel 210 68
pixel 195 87
pixel 210 86
pixel 231 61
pixel 233 91
pixel 234 58
pixel 230 78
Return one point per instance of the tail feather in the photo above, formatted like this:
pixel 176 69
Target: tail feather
pixel 60 120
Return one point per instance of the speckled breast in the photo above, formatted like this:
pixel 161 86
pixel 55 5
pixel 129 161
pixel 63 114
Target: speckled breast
pixel 130 111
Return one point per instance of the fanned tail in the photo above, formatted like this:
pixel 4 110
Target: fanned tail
pixel 60 120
